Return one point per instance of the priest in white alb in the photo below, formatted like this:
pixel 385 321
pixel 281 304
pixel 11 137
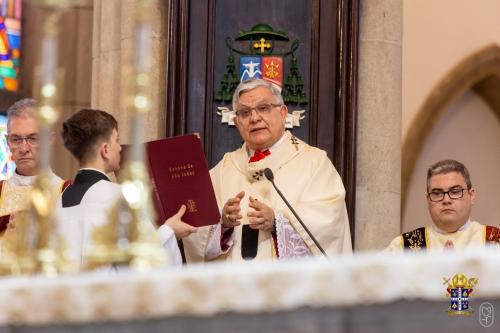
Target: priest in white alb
pixel 450 197
pixel 256 223
pixel 22 138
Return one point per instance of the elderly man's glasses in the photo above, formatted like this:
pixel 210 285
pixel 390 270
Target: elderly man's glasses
pixel 245 112
pixel 454 193
pixel 16 140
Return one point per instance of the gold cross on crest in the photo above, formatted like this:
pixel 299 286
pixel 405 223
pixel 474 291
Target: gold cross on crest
pixel 262 45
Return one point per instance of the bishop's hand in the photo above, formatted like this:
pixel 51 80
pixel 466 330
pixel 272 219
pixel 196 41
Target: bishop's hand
pixel 261 217
pixel 231 212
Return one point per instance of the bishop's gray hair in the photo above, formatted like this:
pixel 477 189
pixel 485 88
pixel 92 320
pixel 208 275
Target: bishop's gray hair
pixel 251 84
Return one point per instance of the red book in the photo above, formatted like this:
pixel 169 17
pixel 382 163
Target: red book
pixel 179 175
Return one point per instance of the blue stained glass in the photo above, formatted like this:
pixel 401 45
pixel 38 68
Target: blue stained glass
pixel 10 42
pixel 14 41
pixel 6 164
pixel 3 8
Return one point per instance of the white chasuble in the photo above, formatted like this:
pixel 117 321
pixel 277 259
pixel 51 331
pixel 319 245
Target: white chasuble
pixel 309 181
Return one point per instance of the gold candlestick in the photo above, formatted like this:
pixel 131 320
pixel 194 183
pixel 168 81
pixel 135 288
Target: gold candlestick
pixel 145 250
pixel 35 240
pixel 131 225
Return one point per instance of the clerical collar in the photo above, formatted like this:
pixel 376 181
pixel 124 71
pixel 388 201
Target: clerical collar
pixel 272 148
pixel 90 174
pixel 20 180
pixel 462 228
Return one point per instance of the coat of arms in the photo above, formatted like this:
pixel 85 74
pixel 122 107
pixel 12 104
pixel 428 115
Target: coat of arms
pixel 460 291
pixel 264 60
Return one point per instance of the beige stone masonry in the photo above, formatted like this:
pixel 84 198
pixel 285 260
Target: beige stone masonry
pixel 378 170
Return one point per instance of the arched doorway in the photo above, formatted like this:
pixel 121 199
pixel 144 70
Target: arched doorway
pixel 478 75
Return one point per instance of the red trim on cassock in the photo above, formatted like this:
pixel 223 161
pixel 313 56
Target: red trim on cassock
pixel 224 239
pixel 492 234
pixel 4 220
pixel 66 184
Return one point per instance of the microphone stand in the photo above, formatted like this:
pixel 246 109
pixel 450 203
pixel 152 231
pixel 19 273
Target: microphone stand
pixel 270 176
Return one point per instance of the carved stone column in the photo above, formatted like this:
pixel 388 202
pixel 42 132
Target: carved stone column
pixel 113 47
pixel 74 39
pixel 378 171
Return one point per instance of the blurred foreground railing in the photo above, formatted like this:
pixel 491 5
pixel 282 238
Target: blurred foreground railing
pixel 365 293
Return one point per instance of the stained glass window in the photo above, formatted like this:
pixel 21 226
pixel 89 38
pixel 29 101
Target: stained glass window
pixel 10 44
pixel 7 165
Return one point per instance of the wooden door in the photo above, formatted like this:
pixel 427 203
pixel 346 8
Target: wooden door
pixel 197 57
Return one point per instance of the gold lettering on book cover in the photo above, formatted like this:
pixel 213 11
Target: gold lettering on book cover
pixel 191 206
pixel 181 171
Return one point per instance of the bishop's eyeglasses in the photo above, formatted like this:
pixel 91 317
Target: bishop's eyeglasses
pixel 454 193
pixel 245 112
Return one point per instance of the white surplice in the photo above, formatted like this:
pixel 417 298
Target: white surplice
pixel 77 223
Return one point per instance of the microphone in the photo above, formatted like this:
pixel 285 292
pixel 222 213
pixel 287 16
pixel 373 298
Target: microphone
pixel 270 176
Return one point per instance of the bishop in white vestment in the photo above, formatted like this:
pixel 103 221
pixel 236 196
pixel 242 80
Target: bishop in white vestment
pixel 256 223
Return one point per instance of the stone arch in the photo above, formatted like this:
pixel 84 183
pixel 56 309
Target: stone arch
pixel 479 72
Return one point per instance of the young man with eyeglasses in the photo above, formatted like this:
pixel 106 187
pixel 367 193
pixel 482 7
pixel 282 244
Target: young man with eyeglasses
pixel 22 139
pixel 255 223
pixel 450 197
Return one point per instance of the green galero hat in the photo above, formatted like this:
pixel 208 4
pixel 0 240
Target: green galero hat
pixel 261 30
